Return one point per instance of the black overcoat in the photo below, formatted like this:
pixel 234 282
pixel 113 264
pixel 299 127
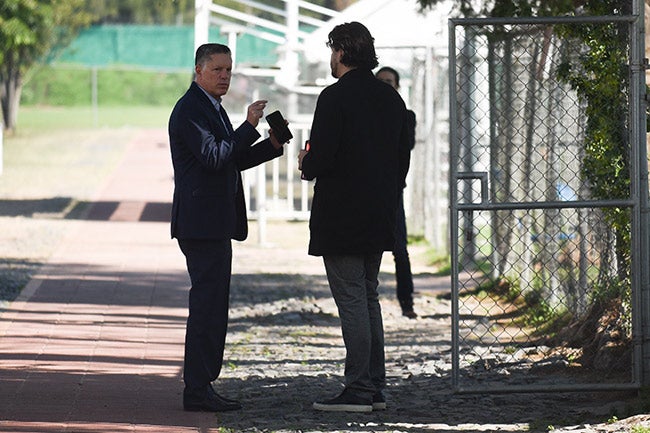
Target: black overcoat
pixel 359 155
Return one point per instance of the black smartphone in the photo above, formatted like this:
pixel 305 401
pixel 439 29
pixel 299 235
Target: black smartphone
pixel 279 126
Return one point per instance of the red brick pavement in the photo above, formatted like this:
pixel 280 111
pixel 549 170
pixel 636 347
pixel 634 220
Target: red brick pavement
pixel 95 341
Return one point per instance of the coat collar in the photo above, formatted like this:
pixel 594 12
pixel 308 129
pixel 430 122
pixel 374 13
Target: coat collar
pixel 356 74
pixel 216 103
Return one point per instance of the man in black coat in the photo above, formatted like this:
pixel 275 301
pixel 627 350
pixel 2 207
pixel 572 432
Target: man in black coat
pixel 359 158
pixel 208 211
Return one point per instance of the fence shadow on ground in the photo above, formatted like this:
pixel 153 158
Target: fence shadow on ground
pixel 70 208
pixel 275 319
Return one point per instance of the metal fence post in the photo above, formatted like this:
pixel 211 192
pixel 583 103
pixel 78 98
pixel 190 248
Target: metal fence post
pixel 640 316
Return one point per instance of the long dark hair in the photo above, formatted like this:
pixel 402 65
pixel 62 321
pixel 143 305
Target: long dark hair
pixel 357 44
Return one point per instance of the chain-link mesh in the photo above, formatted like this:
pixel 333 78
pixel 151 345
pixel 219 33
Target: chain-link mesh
pixel 543 281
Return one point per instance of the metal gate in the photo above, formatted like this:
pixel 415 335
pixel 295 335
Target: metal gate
pixel 545 266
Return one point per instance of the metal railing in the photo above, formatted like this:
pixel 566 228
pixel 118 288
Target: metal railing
pixel 274 190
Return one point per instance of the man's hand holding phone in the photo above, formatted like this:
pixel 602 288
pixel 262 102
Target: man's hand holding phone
pixel 279 129
pixel 301 155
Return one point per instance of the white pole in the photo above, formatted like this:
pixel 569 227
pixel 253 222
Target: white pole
pixel 260 194
pixel 201 22
pixel 291 59
pixel 261 204
pixel 232 42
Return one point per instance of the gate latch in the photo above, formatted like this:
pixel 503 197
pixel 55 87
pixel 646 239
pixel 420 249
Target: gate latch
pixel 478 175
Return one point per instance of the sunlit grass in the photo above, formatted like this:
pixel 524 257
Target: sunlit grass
pixel 58 151
pixel 33 119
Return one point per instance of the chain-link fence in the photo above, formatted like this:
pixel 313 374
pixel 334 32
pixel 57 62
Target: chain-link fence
pixel 543 262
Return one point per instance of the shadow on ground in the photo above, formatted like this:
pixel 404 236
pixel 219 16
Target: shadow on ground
pixel 70 208
pixel 284 352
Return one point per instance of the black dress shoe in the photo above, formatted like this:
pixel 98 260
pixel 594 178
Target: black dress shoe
pixel 212 392
pixel 211 402
pixel 410 314
pixel 210 405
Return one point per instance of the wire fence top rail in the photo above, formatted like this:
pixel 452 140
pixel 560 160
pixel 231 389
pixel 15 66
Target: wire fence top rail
pixel 542 20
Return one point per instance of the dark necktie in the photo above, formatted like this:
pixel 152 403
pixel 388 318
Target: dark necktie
pixel 225 121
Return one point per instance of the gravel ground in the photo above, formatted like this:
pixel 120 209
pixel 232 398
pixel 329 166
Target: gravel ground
pixel 285 341
pixel 285 351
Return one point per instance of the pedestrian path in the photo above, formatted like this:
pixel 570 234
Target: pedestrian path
pixel 95 341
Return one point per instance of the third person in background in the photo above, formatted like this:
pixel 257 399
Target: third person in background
pixel 403 275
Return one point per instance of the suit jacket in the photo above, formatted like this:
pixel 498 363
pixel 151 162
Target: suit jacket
pixel 207 158
pixel 359 156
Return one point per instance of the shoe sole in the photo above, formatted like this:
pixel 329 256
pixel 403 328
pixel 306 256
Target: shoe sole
pixel 199 408
pixel 343 407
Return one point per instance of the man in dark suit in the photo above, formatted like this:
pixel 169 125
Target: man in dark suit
pixel 359 158
pixel 208 211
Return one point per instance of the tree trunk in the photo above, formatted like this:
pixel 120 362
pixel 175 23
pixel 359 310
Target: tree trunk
pixel 501 149
pixel 467 152
pixel 10 101
pixel 11 82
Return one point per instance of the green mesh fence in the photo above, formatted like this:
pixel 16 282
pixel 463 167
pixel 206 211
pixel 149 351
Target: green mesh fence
pixel 157 47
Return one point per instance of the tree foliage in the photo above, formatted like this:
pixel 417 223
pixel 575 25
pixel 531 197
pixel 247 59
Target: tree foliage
pixel 30 29
pixel 515 8
pixel 600 77
pixel 602 80
pixel 141 12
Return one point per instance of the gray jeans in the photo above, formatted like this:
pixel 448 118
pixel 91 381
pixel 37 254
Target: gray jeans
pixel 353 282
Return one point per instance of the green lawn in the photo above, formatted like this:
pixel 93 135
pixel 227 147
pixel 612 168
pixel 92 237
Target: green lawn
pixel 41 119
pixel 57 152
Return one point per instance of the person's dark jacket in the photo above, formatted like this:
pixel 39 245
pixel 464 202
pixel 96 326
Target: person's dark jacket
pixel 208 195
pixel 410 128
pixel 359 155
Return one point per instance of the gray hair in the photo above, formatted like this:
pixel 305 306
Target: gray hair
pixel 205 51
